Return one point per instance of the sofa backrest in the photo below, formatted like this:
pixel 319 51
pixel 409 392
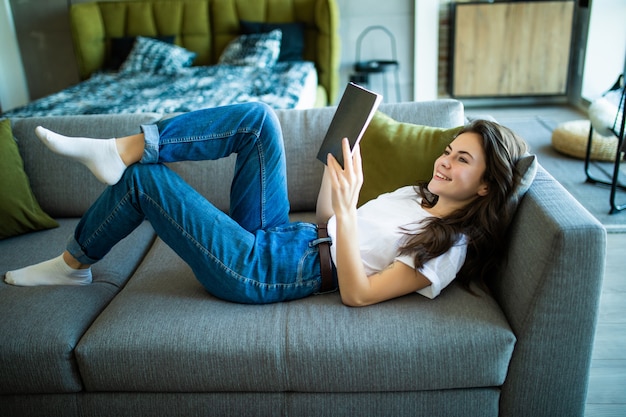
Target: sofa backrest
pixel 303 132
pixel 67 189
pixel 205 27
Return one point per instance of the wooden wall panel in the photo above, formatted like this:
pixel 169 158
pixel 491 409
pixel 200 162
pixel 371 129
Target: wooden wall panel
pixel 511 49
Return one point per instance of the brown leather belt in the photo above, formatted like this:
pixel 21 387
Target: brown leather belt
pixel 326 263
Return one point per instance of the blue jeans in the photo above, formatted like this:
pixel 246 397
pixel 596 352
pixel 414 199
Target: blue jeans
pixel 251 255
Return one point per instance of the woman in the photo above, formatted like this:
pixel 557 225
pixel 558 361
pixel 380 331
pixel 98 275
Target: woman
pixel 253 254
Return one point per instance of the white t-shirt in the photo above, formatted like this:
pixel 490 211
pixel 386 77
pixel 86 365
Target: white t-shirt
pixel 382 223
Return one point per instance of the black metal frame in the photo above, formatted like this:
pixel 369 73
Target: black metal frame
pixel 618 130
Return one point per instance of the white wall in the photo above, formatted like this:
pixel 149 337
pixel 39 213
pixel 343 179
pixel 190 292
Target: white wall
pixel 606 47
pixel 426 50
pixel 398 17
pixel 13 89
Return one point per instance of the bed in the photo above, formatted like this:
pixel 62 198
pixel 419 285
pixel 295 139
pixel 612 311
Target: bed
pixel 170 56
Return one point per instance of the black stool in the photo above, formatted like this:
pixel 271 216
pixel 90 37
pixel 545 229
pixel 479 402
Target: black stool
pixel 363 69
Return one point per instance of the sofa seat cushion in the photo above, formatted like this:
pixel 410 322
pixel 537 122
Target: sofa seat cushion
pixel 165 333
pixel 40 326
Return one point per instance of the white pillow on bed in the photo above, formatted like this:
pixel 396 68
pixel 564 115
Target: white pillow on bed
pixel 258 50
pixel 153 56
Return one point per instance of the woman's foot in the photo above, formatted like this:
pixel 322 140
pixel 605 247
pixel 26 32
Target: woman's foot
pixel 99 155
pixel 52 272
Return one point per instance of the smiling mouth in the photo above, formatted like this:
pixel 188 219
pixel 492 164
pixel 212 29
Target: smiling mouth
pixel 442 177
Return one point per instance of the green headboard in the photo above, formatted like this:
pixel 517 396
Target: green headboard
pixel 205 27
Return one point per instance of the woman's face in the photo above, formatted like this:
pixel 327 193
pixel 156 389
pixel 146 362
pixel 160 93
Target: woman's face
pixel 458 173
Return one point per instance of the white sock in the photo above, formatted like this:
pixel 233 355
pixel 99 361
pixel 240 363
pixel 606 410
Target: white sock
pixel 99 155
pixel 52 272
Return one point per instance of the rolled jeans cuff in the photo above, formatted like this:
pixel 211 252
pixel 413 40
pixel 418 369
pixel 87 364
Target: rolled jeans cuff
pixel 151 148
pixel 77 252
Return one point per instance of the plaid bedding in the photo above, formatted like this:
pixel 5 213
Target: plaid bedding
pixel 188 89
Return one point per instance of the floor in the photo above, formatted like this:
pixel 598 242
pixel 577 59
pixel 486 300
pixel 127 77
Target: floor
pixel 607 383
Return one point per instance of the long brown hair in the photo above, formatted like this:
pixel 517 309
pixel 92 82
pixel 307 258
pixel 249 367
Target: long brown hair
pixel 484 220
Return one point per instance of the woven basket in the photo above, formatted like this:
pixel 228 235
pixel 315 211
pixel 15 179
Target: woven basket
pixel 571 139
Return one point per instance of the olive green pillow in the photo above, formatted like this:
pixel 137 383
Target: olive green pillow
pixel 19 210
pixel 396 154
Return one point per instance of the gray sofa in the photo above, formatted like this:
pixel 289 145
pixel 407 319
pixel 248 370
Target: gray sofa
pixel 145 339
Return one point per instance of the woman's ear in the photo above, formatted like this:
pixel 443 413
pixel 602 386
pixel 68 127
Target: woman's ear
pixel 483 190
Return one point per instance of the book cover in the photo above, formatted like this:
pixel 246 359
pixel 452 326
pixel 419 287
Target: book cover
pixel 354 113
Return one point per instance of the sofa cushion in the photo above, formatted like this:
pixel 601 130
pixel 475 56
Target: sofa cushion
pixel 19 209
pixel 40 326
pixel 165 333
pixel 396 154
pixel 66 188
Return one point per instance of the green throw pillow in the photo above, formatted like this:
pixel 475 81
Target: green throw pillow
pixel 396 154
pixel 19 210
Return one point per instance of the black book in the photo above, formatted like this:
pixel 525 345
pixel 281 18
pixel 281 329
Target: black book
pixel 354 113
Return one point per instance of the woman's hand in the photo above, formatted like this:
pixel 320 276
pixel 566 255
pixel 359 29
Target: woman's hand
pixel 356 288
pixel 346 182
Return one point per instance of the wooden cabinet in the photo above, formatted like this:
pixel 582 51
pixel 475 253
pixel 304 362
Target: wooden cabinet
pixel 511 48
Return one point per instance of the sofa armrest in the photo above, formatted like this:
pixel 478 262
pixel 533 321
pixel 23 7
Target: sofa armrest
pixel 550 292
